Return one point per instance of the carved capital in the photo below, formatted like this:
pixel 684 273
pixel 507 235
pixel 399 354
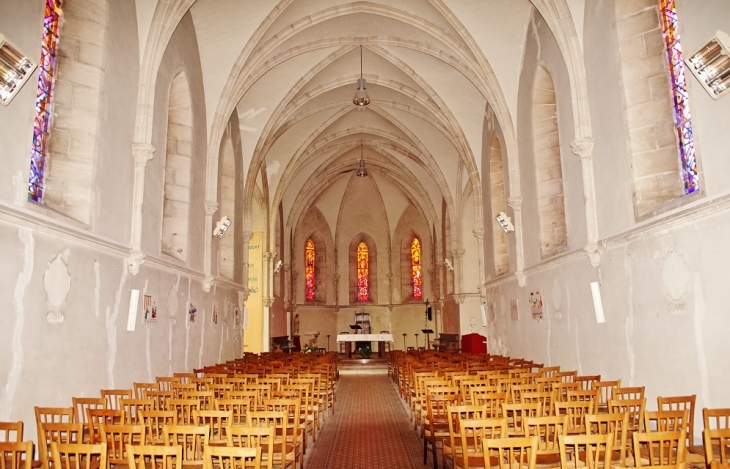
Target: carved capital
pixel 245 293
pixel 207 283
pixel 457 253
pixel 247 235
pixel 269 255
pixel 515 203
pixel 594 254
pixel 521 278
pixel 459 297
pixel 135 261
pixel 268 302
pixel 211 206
pixel 337 277
pixel 582 147
pixel 478 233
pixel 143 152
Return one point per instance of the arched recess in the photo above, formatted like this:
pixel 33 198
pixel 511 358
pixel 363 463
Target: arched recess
pixel 372 269
pixel 320 263
pixel 549 174
pixel 411 224
pixel 176 208
pixel 498 204
pixel 314 226
pixel 226 246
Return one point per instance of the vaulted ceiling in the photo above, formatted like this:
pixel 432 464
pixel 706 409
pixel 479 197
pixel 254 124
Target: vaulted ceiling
pixel 290 69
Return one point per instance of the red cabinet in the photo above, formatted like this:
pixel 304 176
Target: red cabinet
pixel 473 343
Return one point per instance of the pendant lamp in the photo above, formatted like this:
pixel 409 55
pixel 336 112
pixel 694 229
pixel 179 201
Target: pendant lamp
pixel 361 171
pixel 361 98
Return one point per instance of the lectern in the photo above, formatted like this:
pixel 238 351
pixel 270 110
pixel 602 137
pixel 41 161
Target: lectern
pixel 428 333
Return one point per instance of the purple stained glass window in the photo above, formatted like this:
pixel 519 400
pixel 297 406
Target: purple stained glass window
pixel 416 269
pixel 363 272
pixel 309 270
pixel 682 116
pixel 42 123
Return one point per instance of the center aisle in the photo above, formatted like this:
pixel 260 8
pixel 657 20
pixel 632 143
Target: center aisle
pixel 370 429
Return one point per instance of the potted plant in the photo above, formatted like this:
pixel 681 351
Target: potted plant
pixel 365 351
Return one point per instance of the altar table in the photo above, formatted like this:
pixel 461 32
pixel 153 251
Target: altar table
pixel 379 338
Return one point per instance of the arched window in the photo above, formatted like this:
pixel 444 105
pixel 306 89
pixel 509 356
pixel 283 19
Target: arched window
pixel 309 277
pixel 42 124
pixel 680 98
pixel 416 269
pixel 363 272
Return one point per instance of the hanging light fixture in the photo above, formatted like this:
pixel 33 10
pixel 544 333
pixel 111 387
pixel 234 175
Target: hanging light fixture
pixel 361 171
pixel 361 98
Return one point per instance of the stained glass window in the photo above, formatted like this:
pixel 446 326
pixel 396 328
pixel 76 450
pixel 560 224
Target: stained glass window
pixel 682 116
pixel 309 270
pixel 416 268
pixel 363 272
pixel 41 126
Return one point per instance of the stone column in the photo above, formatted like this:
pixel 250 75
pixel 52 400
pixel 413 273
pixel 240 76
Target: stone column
pixel 389 275
pixel 583 149
pixel 211 206
pixel 456 256
pixel 337 292
pixel 515 204
pixel 143 153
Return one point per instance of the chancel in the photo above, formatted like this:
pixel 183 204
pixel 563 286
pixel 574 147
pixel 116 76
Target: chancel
pixel 461 174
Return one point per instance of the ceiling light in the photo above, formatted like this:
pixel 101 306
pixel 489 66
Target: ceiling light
pixel 15 69
pixel 711 65
pixel 361 171
pixel 361 98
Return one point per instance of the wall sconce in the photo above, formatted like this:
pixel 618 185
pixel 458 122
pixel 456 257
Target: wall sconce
pixel 15 69
pixel 505 222
pixel 711 65
pixel 221 227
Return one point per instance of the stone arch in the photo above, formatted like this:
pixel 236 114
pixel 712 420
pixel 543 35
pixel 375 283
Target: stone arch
pixel 548 167
pixel 176 208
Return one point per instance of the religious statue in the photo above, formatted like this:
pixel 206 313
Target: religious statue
pixel 295 326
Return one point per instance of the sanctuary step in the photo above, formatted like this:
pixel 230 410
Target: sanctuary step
pixel 363 366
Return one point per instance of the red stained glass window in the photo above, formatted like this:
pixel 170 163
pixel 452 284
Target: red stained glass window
pixel 680 98
pixel 416 269
pixel 363 273
pixel 309 270
pixel 42 123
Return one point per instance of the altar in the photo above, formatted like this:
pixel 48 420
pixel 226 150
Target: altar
pixel 351 338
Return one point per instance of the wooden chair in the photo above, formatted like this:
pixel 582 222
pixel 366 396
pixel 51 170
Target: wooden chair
pixel 178 390
pixel 629 393
pixel 51 415
pixel 546 383
pixel 472 433
pixel 293 434
pixel 160 398
pixel 567 376
pixel 516 414
pixel 183 409
pixel 164 383
pixel 154 422
pixel 218 421
pixel 493 401
pixel 284 453
pixel 549 371
pixel 456 413
pixel 615 425
pixel 716 419
pixel 117 438
pixel 587 383
pixel 606 391
pixel 586 451
pixel 717 445
pixel 205 398
pixel 184 377
pixel 249 437
pixel 231 457
pixel 114 397
pixel 588 396
pixel 695 453
pixel 64 433
pixel 436 426
pixel 511 453
pixel 132 407
pixel 78 456
pixel 665 449
pixel 576 412
pixel 562 389
pixel 11 432
pixel 140 389
pixel 158 457
pixel 237 407
pixel 547 430
pixel 544 398
pixel 192 438
pixel 16 454
pixel 97 417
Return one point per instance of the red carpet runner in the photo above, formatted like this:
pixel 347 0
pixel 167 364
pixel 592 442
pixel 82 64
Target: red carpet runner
pixel 369 430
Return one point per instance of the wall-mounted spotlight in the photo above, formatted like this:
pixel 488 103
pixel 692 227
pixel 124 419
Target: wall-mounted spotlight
pixel 711 65
pixel 221 227
pixel 279 264
pixel 505 222
pixel 15 69
pixel 448 265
